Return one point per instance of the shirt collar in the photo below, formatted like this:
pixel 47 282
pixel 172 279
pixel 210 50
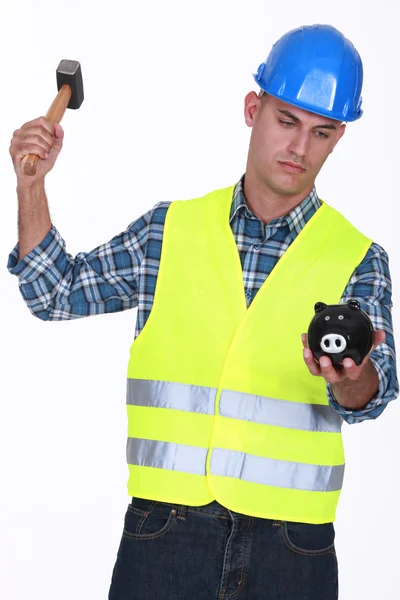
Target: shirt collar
pixel 295 220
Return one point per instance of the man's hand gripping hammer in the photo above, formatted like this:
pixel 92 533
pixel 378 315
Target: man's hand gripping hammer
pixel 70 95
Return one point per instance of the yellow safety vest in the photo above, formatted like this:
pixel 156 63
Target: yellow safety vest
pixel 220 403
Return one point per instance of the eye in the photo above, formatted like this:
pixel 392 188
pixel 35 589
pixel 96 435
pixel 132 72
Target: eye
pixel 286 123
pixel 321 135
pixel 340 317
pixel 327 318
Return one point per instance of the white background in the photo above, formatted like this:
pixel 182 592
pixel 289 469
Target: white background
pixel 162 119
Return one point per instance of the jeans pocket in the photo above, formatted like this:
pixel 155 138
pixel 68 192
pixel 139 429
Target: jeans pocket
pixel 309 539
pixel 148 524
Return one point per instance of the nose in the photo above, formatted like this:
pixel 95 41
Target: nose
pixel 299 142
pixel 333 343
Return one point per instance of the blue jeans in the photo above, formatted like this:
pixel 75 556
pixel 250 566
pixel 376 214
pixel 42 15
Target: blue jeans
pixel 173 552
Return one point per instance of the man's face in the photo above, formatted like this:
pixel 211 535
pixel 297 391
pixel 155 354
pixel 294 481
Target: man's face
pixel 288 145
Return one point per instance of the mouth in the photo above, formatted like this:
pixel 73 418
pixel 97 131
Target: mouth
pixel 291 167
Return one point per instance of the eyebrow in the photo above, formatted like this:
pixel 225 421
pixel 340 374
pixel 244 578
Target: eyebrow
pixel 297 120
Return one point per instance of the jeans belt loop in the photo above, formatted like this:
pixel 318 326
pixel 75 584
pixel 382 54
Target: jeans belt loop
pixel 181 512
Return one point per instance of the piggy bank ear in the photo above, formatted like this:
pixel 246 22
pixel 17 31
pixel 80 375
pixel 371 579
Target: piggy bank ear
pixel 319 306
pixel 353 304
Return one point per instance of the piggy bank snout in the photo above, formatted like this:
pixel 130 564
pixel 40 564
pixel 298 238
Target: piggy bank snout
pixel 333 343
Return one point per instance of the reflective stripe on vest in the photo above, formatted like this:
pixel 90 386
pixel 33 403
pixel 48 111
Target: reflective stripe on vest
pixel 279 473
pixel 164 455
pixel 166 394
pixel 236 405
pixel 255 469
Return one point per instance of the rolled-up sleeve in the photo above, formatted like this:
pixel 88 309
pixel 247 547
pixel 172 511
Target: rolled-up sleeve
pixel 371 285
pixel 55 286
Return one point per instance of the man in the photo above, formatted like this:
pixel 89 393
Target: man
pixel 234 446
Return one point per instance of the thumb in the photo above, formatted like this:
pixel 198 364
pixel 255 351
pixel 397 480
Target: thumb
pixel 379 338
pixel 59 137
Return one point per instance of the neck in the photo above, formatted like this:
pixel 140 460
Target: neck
pixel 267 204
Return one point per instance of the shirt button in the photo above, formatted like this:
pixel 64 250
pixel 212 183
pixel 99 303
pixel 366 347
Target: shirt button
pixel 256 247
pixel 248 294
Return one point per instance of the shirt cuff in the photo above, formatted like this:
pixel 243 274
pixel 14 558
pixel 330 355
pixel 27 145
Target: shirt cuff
pixel 39 260
pixel 387 391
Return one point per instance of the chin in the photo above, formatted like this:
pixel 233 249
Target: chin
pixel 288 185
pixel 286 189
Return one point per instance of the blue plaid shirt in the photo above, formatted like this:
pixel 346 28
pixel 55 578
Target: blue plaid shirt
pixel 122 274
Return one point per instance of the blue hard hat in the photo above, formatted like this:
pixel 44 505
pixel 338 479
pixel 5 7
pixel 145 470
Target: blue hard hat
pixel 315 68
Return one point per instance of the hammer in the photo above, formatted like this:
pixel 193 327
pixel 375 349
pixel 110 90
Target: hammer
pixel 70 95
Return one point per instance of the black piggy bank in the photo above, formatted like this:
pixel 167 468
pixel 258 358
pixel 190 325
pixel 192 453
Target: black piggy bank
pixel 340 331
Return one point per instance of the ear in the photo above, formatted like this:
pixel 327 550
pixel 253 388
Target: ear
pixel 341 133
pixel 252 104
pixel 342 130
pixel 319 306
pixel 354 304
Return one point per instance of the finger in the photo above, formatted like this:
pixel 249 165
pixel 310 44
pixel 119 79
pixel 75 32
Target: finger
pixel 40 122
pixel 36 139
pixel 37 130
pixel 304 340
pixel 328 371
pixel 310 362
pixel 22 150
pixel 351 370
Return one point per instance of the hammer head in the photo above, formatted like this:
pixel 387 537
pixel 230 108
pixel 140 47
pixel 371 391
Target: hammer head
pixel 69 72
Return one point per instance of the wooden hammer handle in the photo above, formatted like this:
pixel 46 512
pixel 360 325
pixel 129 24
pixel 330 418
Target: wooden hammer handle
pixel 54 114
